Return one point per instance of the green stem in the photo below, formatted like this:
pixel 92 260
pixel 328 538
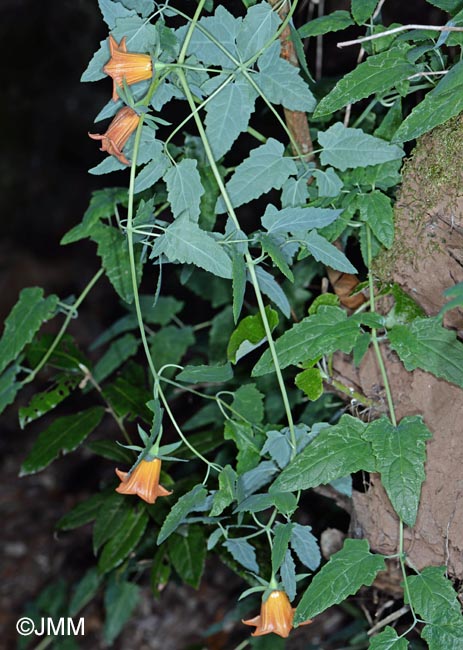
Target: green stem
pixel 129 229
pixel 198 108
pixel 404 573
pixel 136 297
pixel 248 258
pixel 284 126
pixel 63 328
pixel 215 398
pixel 374 337
pixel 243 67
pixel 392 414
pixel 273 352
pixel 242 645
pixel 257 135
pixel 367 110
pixel 189 34
pixel 44 643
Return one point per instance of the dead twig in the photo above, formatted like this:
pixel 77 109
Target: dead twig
pixel 389 619
pixel 397 30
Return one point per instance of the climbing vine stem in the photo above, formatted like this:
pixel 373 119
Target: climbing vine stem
pixel 71 313
pixel 248 259
pixel 390 403
pixel 133 273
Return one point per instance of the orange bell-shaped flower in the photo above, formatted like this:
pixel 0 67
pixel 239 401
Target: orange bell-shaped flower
pixel 131 66
pixel 276 615
pixel 119 131
pixel 143 481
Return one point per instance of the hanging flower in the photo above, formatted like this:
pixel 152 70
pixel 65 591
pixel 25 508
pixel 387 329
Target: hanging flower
pixel 276 615
pixel 131 66
pixel 119 131
pixel 143 481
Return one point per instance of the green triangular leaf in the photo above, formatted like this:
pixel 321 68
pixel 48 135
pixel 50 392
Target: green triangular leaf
pixel 23 321
pixel 120 600
pixel 296 220
pixel 64 435
pixel 388 640
pixel 249 334
pixel 427 345
pixel 346 148
pixel 326 331
pixel 337 451
pixel 242 551
pixel 400 456
pixel 266 168
pixel 325 252
pixel 223 122
pixel 257 29
pixel 439 105
pixel 188 502
pixel 332 22
pixel 280 544
pixel 344 574
pixel 362 10
pixel 119 546
pixel 184 189
pixel 376 211
pixel 305 545
pixel 188 555
pixel 433 597
pixel 281 82
pixel 377 74
pixel 209 374
pixel 114 253
pixel 185 242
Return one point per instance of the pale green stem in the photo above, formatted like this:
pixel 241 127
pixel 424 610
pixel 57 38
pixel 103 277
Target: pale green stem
pixel 220 402
pixel 197 68
pixel 242 645
pixel 259 136
pixel 391 408
pixel 367 110
pixel 63 328
pixel 198 108
pixel 189 34
pixel 243 68
pixel 44 643
pixel 273 352
pixel 374 338
pixel 248 258
pixel 282 123
pixel 129 229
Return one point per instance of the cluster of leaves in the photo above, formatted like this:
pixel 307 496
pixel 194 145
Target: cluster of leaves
pixel 188 213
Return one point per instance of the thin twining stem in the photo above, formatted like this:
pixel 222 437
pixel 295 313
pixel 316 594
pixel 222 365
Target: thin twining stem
pixel 248 259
